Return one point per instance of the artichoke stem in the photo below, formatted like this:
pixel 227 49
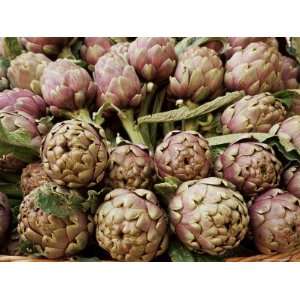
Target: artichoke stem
pixel 83 115
pixel 10 189
pixel 11 178
pixel 167 127
pixel 190 124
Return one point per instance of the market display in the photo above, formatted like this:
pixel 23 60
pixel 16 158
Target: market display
pixel 149 149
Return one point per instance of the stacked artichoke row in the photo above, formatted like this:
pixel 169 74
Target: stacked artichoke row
pixel 149 148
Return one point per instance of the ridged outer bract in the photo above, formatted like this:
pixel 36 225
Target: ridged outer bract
pixel 291 180
pixel 5 216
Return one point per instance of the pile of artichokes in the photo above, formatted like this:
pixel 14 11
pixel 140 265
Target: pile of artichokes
pixel 149 148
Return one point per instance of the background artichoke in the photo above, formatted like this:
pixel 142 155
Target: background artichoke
pixel 130 167
pixel 291 180
pixel 252 167
pixel 121 49
pixel 153 58
pixel 255 69
pixel 290 72
pixel 275 221
pixel 117 82
pixel 26 70
pixel 67 86
pixel 4 216
pixel 184 155
pixel 131 226
pixel 74 154
pixel 199 74
pixel 51 235
pixel 33 176
pixel 253 114
pixel 10 164
pixel 208 215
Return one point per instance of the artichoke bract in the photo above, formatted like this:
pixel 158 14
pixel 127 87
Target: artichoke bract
pixel 291 180
pixel 131 226
pixel 254 69
pixel 23 100
pixel 209 215
pixel 47 45
pixel 74 154
pixel 130 167
pixel 184 155
pixel 275 221
pixel 10 164
pixel 53 236
pixel 5 216
pixel 252 114
pixel 4 64
pixel 33 176
pixel 93 48
pixel 252 167
pixel 290 73
pixel 289 130
pixel 121 49
pixel 154 58
pixel 26 70
pixel 117 82
pixel 66 85
pixel 199 74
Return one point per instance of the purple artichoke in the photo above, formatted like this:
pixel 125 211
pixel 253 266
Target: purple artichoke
pixel 275 221
pixel 153 58
pixel 4 216
pixel 10 164
pixel 255 69
pixel 209 215
pixel 93 48
pixel 23 100
pixel 131 226
pixel 199 74
pixel 184 155
pixel 130 167
pixel 291 180
pixel 252 167
pixel 117 82
pixel 290 72
pixel 121 49
pixel 47 45
pixel 253 114
pixel 26 70
pixel 68 86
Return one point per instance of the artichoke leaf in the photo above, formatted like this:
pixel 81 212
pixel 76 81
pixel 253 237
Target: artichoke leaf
pixel 21 153
pixel 11 47
pixel 185 113
pixel 167 189
pixel 94 199
pixel 286 97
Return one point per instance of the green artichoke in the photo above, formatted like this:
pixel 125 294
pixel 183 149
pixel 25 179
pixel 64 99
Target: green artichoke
pixel 252 167
pixel 130 167
pixel 199 74
pixel 254 69
pixel 253 114
pixel 209 215
pixel 291 180
pixel 184 155
pixel 131 226
pixel 275 221
pixel 33 176
pixel 26 70
pixel 153 58
pixel 74 154
pixel 4 216
pixel 51 235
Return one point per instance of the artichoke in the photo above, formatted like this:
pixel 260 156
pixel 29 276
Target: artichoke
pixel 117 82
pixel 10 164
pixel 24 101
pixel 291 180
pixel 32 177
pixel 254 69
pixel 66 85
pixel 93 48
pixel 252 167
pixel 4 216
pixel 184 155
pixel 153 58
pixel 288 130
pixel 275 221
pixel 26 70
pixel 130 167
pixel 47 45
pixel 4 64
pixel 50 234
pixel 209 215
pixel 290 72
pixel 131 226
pixel 239 43
pixel 199 74
pixel 121 49
pixel 252 114
pixel 74 154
